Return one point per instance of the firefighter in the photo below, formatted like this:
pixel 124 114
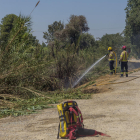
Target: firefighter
pixel 111 60
pixel 124 61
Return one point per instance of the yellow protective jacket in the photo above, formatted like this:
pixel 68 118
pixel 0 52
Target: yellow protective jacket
pixel 124 56
pixel 111 56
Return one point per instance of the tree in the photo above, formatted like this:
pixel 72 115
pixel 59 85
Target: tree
pixel 76 26
pixel 86 41
pixel 44 45
pixel 116 41
pixel 132 29
pixel 6 26
pixel 32 40
pixel 20 33
pixel 112 40
pixel 56 26
pixel 78 22
pixel 18 41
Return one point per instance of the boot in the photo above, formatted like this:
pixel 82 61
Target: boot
pixel 121 75
pixel 111 73
pixel 126 75
pixel 114 71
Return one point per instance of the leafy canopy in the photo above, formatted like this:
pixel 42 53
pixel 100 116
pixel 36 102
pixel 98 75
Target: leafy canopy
pixel 132 29
pixel 56 26
pixel 6 26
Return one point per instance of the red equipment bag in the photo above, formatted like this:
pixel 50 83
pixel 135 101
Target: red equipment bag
pixel 71 122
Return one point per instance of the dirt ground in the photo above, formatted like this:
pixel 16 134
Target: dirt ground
pixel 115 112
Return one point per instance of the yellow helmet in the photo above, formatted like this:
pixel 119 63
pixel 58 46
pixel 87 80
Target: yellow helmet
pixel 109 48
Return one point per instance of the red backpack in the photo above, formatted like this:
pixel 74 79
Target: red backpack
pixel 71 122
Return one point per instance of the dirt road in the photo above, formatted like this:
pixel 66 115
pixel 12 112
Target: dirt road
pixel 115 112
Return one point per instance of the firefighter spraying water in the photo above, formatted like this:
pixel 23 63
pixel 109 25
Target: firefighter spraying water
pixel 111 62
pixel 111 59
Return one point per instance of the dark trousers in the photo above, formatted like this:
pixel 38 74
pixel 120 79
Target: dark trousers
pixel 124 65
pixel 111 63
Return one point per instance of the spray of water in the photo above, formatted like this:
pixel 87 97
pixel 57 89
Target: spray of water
pixel 87 71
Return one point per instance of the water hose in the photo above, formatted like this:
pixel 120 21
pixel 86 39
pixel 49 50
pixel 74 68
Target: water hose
pixel 116 61
pixel 116 82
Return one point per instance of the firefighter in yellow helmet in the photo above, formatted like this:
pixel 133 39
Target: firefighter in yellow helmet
pixel 124 61
pixel 111 60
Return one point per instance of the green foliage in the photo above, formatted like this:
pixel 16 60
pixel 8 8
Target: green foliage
pixel 86 41
pixel 116 41
pixel 132 29
pixel 71 94
pixel 78 22
pixel 73 30
pixel 43 44
pixel 56 26
pixel 28 106
pixel 6 26
pixel 19 41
